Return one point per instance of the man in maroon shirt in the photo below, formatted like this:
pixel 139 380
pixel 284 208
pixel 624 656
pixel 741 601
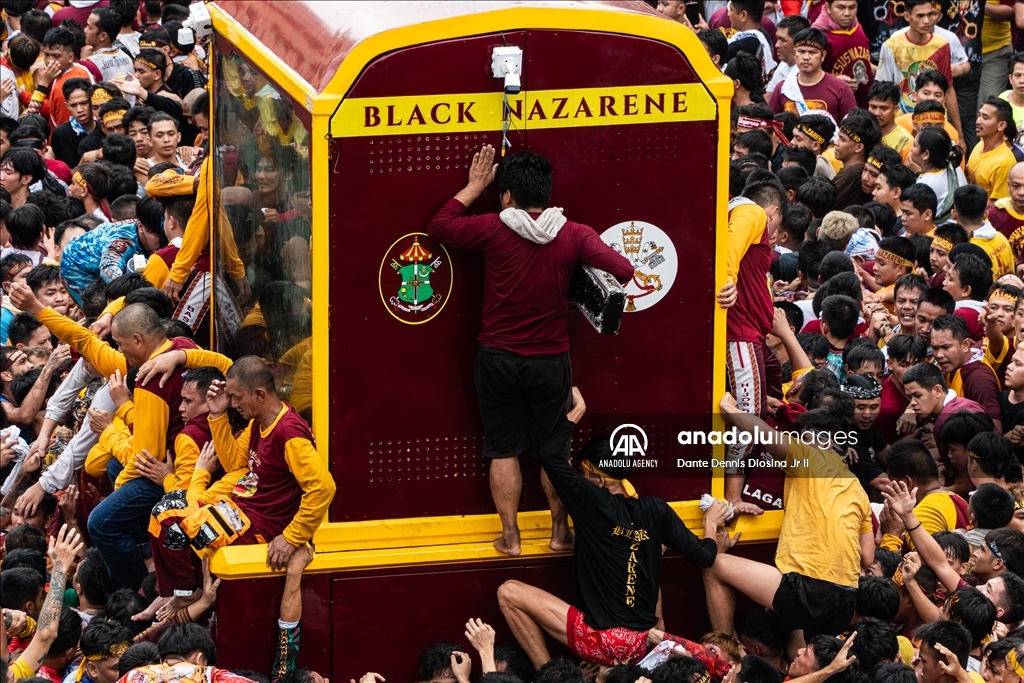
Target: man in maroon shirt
pixel 967 372
pixel 523 376
pixel 933 403
pixel 905 351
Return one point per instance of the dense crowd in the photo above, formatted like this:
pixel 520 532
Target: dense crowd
pixel 130 453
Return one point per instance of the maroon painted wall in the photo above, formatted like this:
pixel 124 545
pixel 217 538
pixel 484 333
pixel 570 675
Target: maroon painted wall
pixel 404 417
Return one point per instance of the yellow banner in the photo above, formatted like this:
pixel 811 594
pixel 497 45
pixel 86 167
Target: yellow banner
pixel 370 116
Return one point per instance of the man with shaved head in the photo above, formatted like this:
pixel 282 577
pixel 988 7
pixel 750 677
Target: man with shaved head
pixel 1007 215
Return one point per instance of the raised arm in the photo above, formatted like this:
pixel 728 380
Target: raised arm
pixel 902 501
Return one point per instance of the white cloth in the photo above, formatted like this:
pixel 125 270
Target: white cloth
pixel 21 450
pixel 939 182
pixel 62 472
pixel 9 106
pixel 766 49
pixel 540 231
pixel 781 72
pixel 113 63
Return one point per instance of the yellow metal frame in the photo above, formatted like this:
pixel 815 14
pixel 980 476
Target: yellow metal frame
pixel 456 538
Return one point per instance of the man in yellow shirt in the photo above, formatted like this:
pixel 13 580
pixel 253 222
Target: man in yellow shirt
pixel 884 104
pixel 969 206
pixel 813 586
pixel 991 159
pixel 938 510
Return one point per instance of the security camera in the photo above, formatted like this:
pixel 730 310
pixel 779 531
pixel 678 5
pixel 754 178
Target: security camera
pixel 199 20
pixel 510 67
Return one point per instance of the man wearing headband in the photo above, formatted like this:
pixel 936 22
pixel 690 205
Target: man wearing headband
pixel 616 557
pixel 815 133
pixel 877 159
pixel 928 86
pixel 946 236
pixel 810 88
pixel 812 586
pixel 182 80
pixel 992 158
pixel 894 259
pixel 101 31
pixel 996 578
pixel 103 643
pixel 1007 215
pixel 867 403
pixel 785 48
pixel 969 206
pixel 905 54
pixel 858 134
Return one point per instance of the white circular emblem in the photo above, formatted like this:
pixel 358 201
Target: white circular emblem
pixel 653 257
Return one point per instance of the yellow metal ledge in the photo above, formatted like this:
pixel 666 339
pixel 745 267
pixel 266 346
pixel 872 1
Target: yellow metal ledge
pixel 442 540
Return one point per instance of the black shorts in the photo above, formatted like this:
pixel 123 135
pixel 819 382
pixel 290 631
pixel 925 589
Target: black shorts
pixel 521 399
pixel 816 606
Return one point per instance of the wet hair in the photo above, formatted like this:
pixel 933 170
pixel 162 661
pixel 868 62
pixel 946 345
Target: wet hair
pixel 878 597
pixel 941 150
pixel 528 177
pixel 892 672
pixel 25 557
pixel 26 536
pixel 814 345
pixel 865 126
pixel 973 273
pixel 150 213
pixel 21 329
pixel 19 586
pixel 755 142
pixel 748 70
pixel 24 161
pixel 182 640
pixel 754 669
pixel 136 656
pixel 885 216
pixel 1004 113
pixel 809 258
pixel 952 542
pixel 23 50
pixel 792 178
pixel 122 605
pixel 515 659
pixel 898 176
pixel 91 576
pixel 817 194
pixel 840 313
pixel 714 42
pixel 559 670
pixel 803 157
pixel 679 670
pixel 25 225
pixel 766 627
pixel 993 509
pixel 921 197
pixel 884 91
pixel 888 561
pixel 948 633
pixel 930 77
pixel 435 660
pixel 119 149
pixel 910 458
pixel 994 456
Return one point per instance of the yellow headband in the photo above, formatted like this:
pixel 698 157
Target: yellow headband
pixel 115 650
pixel 973 456
pixel 930 117
pixel 872 161
pixel 895 259
pixel 630 491
pixel 101 96
pixel 1011 660
pixel 942 243
pixel 114 115
pixel 1002 295
pixel 811 133
pixel 146 62
pixel 849 133
pixel 807 43
pixel 80 180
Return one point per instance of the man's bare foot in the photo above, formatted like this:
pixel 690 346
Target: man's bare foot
pixel 176 603
pixel 562 540
pixel 508 544
pixel 149 614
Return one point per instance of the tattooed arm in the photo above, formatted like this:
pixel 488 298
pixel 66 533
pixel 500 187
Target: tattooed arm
pixel 63 550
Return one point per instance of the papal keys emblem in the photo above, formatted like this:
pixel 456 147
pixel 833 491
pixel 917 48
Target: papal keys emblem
pixel 415 278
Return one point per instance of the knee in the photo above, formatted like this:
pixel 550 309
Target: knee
pixel 509 593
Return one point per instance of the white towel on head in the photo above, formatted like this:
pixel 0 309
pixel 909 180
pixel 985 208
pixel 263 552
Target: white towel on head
pixel 540 231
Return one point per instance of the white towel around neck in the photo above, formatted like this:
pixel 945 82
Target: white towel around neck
pixel 540 231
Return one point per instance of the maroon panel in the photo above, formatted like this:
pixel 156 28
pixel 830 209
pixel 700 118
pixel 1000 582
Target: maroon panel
pixel 381 623
pixel 404 414
pixel 247 630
